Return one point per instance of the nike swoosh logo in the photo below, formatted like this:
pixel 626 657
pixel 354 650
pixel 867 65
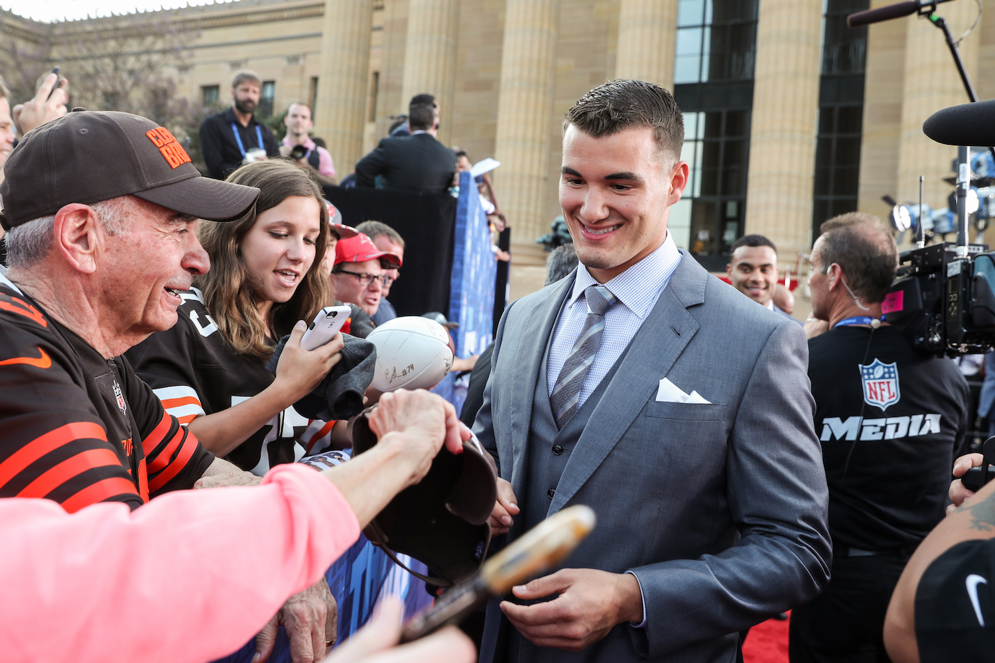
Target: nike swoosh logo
pixel 973 581
pixel 44 361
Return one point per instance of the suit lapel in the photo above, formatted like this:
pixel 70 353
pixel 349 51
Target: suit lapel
pixel 528 361
pixel 661 339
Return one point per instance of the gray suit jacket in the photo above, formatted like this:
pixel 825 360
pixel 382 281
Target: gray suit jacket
pixel 719 509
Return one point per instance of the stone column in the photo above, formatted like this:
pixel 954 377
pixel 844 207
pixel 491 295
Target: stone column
pixel 931 83
pixel 430 55
pixel 343 86
pixel 882 121
pixel 523 122
pixel 783 128
pixel 647 35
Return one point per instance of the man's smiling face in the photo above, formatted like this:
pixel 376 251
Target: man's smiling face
pixel 616 192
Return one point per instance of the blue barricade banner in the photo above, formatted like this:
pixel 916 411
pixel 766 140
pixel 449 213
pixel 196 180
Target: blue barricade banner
pixel 357 579
pixel 471 293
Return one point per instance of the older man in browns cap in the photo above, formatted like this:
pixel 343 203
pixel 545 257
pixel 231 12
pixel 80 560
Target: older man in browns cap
pixel 101 211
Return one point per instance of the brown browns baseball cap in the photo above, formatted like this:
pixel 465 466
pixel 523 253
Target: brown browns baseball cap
pixel 90 156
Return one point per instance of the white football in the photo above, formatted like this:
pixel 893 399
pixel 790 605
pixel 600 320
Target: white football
pixel 412 353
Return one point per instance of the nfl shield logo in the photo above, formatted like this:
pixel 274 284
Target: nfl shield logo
pixel 880 384
pixel 120 398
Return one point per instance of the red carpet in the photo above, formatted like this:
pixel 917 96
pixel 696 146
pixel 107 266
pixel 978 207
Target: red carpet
pixel 767 642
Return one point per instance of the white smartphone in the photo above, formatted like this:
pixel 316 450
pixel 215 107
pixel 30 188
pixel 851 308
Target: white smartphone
pixel 325 326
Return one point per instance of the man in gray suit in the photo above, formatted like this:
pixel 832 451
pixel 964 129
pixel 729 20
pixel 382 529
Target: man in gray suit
pixel 665 400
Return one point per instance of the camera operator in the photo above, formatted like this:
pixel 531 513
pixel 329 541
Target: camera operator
pixel 298 145
pixel 889 420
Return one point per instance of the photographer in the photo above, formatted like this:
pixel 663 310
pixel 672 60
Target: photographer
pixel 889 419
pixel 297 145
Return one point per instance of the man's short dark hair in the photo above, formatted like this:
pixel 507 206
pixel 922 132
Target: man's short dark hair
pixel 753 242
pixel 621 104
pixel 374 229
pixel 421 118
pixel 423 99
pixel 865 252
pixel 246 75
pixel 560 262
pixel 397 121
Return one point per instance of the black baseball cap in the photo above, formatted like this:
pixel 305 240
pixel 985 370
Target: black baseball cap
pixel 90 156
pixel 442 520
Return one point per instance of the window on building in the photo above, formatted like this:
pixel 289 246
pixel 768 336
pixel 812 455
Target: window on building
pixel 209 95
pixel 713 86
pixel 313 99
pixel 841 109
pixel 266 98
pixel 374 95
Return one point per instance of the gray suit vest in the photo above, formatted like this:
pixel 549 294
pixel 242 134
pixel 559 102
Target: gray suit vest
pixel 549 449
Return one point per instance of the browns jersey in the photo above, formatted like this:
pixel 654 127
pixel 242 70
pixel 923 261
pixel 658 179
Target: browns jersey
pixel 79 428
pixel 194 371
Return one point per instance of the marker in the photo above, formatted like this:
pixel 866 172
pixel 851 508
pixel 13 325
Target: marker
pixel 541 547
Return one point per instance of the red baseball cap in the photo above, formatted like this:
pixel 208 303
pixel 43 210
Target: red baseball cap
pixel 360 249
pixel 342 231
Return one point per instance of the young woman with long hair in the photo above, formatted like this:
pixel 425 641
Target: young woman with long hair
pixel 265 276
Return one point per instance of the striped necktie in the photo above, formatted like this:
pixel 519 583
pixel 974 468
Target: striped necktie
pixel 566 391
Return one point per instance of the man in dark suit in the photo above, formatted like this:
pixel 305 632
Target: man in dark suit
pixel 412 163
pixel 664 400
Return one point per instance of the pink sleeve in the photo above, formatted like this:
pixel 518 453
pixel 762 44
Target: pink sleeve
pixel 325 165
pixel 190 576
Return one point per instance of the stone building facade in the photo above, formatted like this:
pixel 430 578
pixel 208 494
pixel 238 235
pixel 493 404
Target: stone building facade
pixel 791 117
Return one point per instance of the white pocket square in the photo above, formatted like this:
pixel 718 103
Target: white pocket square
pixel 668 392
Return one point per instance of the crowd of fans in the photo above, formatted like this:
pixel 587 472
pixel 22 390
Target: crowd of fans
pixel 142 305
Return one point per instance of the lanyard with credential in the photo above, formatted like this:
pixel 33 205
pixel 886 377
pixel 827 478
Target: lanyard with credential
pixel 238 139
pixel 856 320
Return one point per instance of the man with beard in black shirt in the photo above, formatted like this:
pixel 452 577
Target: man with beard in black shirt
pixel 890 420
pixel 236 137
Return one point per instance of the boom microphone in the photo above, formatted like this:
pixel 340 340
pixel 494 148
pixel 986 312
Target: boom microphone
pixel 888 12
pixel 966 124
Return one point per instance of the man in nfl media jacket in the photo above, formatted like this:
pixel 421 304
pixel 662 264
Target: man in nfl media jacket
pixel 890 420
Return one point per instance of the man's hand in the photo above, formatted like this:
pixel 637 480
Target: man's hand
pixel 375 642
pixel 426 420
pixel 310 621
pixel 590 604
pixel 505 507
pixel 958 493
pixel 42 108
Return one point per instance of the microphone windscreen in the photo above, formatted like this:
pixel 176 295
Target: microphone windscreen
pixel 882 14
pixel 966 124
